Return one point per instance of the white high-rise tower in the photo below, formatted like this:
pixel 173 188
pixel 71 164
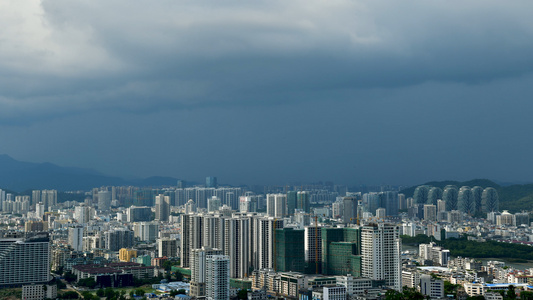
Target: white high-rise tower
pixel 217 277
pixel 381 254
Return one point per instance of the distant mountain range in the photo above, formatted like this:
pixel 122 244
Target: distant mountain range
pixel 513 197
pixel 20 176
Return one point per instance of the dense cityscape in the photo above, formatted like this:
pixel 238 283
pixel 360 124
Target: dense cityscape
pixel 266 149
pixel 303 242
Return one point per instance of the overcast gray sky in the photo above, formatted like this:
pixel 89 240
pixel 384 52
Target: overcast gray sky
pixel 357 92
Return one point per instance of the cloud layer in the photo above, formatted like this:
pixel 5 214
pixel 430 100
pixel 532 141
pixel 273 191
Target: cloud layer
pixel 61 57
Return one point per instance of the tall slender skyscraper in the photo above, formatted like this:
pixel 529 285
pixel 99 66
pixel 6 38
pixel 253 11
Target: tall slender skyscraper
pixel 236 246
pixel 381 254
pixel 162 208
pixel 263 240
pixel 217 277
pixel 198 269
pixel 75 238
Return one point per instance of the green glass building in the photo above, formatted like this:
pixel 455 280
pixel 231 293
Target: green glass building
pixel 289 247
pixel 341 249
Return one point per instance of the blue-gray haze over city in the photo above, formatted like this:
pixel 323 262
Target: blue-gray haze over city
pixel 355 92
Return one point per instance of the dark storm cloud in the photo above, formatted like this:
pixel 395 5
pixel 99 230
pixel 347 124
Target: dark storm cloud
pixel 63 57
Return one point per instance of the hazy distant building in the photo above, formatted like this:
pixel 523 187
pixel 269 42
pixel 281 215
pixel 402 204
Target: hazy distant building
pixel 303 201
pixel 350 210
pixel 421 194
pixel 104 201
pixel 381 213
pixel 402 201
pixel 434 195
pixel 477 195
pixel 489 199
pixel 389 201
pixel 49 198
pixel 35 197
pixel 522 219
pixel 450 195
pixel 213 204
pixel 465 201
pixel 211 182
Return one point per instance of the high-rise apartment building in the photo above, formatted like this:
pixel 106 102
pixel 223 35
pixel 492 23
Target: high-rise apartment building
pixel 381 254
pixel 35 197
pixel 104 201
pixel 167 247
pixel 217 277
pixel 118 238
pixel 276 205
pixel 49 198
pixel 304 201
pixel 237 245
pixel 82 213
pixel 430 212
pixel 263 241
pixel 213 204
pixel 313 247
pixel 198 261
pixel 25 260
pixel 185 240
pixel 162 208
pixel 75 238
pixel 146 231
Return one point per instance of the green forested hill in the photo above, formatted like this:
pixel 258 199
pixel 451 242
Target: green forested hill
pixel 514 198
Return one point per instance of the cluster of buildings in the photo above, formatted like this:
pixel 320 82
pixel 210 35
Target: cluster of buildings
pixel 320 243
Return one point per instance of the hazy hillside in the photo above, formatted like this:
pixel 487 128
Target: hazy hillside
pixel 20 176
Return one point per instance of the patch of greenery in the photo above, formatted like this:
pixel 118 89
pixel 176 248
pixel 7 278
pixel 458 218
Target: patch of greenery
pixel 466 248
